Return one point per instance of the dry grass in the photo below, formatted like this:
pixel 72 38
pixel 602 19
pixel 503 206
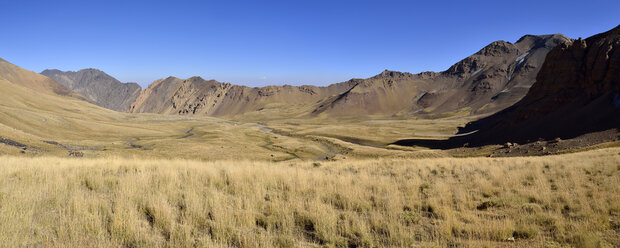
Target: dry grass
pixel 554 201
pixel 55 125
pixel 32 118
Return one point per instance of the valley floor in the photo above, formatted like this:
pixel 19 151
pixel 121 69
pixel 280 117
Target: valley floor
pixel 568 200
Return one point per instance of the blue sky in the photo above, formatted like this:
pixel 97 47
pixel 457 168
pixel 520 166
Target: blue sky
pixel 275 42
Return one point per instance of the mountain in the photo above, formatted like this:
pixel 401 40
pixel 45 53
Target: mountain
pixel 99 87
pixel 209 97
pixel 577 92
pixel 492 79
pixel 35 108
pixel 35 121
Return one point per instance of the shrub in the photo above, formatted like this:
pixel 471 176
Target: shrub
pixel 525 232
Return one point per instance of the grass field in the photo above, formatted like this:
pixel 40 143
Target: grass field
pixel 55 125
pixel 274 178
pixel 568 200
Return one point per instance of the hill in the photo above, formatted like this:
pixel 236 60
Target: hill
pixel 31 80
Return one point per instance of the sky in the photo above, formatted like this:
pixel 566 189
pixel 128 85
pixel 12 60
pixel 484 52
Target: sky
pixel 259 43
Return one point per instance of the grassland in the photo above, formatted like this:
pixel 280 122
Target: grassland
pixel 568 200
pixel 55 125
pixel 273 178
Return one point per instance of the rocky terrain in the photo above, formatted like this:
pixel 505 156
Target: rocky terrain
pixel 576 92
pixel 98 87
pixel 209 97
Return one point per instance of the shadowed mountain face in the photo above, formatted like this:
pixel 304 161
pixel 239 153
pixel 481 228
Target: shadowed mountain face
pixel 577 91
pixel 98 87
pixel 492 79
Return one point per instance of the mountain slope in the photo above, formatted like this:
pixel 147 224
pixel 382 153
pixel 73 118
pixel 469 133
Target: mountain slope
pixel 209 97
pixel 576 92
pixel 34 108
pixel 492 79
pixel 99 87
pixel 29 79
pixel 36 122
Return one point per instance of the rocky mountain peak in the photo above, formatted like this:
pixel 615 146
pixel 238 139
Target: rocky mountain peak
pixel 575 92
pixel 98 87
pixel 392 74
pixel 497 48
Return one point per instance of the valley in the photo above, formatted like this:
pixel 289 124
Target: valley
pixel 516 145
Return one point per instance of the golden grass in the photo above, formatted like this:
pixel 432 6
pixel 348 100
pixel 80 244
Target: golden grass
pixel 553 201
pixel 36 119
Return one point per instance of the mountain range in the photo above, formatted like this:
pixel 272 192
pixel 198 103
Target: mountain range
pixel 542 87
pixel 492 79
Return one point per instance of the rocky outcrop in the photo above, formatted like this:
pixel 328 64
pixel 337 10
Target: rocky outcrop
pixel 99 87
pixel 577 91
pixel 209 97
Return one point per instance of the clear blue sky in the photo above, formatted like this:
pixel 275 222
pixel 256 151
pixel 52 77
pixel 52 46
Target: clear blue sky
pixel 275 42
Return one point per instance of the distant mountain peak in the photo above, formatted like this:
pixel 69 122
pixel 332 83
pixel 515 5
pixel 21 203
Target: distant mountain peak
pixel 497 48
pixel 97 86
pixel 388 73
pixel 92 70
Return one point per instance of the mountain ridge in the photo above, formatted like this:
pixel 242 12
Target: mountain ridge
pixel 489 80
